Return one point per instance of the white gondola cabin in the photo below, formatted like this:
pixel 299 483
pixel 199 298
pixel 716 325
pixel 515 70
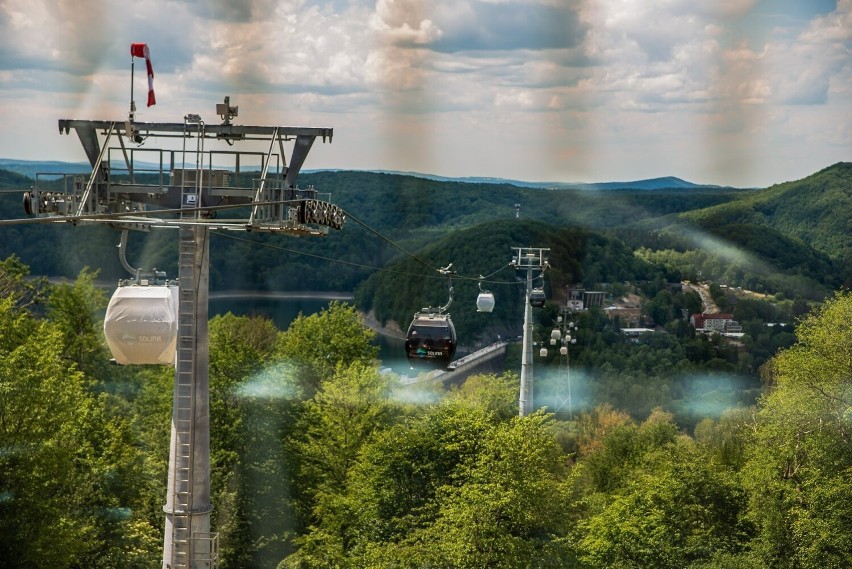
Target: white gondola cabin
pixel 141 324
pixel 485 302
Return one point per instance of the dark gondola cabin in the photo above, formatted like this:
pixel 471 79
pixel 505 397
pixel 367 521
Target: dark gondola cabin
pixel 431 340
pixel 537 298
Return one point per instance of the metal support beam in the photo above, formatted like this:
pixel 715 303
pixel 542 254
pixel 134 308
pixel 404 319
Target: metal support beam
pixel 211 130
pixel 567 337
pixel 530 259
pixel 300 153
pixel 525 397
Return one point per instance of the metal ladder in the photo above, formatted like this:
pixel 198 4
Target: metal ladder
pixel 183 405
pixel 184 412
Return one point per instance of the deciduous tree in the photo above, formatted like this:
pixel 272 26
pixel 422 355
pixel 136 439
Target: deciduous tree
pixel 799 470
pixel 316 344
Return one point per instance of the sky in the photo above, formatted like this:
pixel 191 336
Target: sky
pixel 746 93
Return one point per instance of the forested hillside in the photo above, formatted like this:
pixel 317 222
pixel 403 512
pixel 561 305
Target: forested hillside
pixel 801 230
pixel 318 460
pixel 813 210
pixel 13 180
pixel 736 234
pixel 672 454
pixel 792 238
pixel 576 256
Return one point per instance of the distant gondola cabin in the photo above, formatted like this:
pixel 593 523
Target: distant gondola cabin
pixel 431 340
pixel 485 302
pixel 141 324
pixel 537 298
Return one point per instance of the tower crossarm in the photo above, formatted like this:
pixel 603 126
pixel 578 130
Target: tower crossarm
pixel 212 130
pixel 134 175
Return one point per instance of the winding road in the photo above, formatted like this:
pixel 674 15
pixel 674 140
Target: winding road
pixel 706 300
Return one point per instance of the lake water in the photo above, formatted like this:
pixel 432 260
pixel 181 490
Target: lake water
pixel 282 311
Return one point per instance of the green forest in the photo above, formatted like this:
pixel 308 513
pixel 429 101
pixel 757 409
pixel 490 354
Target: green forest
pixel 791 238
pixel 681 450
pixel 322 461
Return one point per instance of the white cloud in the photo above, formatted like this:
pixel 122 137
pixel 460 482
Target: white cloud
pixel 719 8
pixel 24 40
pixel 548 86
pixel 833 27
pixel 801 70
pixel 402 22
pixel 517 99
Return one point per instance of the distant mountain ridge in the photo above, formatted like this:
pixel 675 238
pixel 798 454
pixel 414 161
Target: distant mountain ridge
pixel 662 183
pixel 30 168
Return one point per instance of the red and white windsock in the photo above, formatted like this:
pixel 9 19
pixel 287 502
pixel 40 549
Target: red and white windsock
pixel 141 50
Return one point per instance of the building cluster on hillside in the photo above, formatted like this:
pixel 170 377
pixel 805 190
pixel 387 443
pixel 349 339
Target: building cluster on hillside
pixel 582 299
pixel 719 323
pixel 628 310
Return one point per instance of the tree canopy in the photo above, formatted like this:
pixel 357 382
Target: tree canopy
pixel 320 460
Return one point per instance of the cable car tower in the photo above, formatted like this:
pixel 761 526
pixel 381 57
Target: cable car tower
pixel 529 259
pixel 195 182
pixel 564 333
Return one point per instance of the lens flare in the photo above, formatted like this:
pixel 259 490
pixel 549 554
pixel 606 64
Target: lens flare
pixel 272 384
